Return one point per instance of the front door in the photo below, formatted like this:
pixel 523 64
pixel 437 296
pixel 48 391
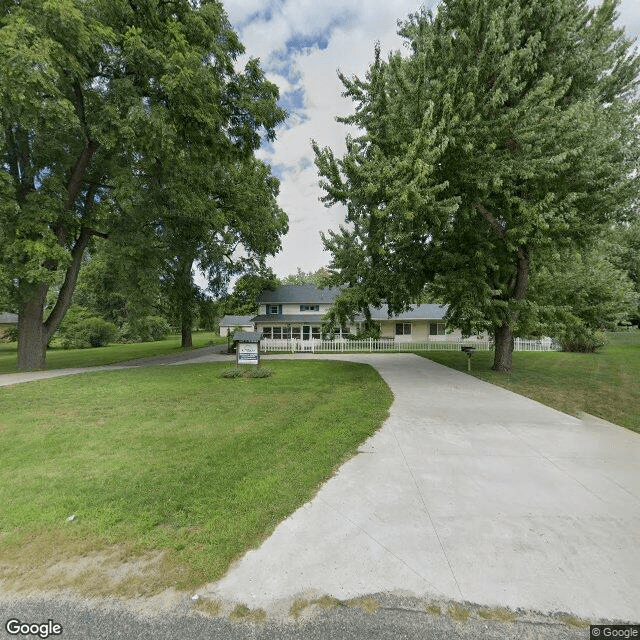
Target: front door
pixel 306 331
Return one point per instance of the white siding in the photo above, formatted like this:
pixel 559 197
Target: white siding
pixel 419 331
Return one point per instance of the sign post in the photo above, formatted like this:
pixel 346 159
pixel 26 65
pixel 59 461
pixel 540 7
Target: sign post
pixel 247 347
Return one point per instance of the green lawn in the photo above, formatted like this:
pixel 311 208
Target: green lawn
pixel 605 384
pixel 62 359
pixel 172 459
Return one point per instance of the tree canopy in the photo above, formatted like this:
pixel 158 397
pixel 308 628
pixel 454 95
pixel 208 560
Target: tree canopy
pixel 124 119
pixel 508 135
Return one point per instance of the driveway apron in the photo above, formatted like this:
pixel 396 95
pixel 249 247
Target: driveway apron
pixel 468 492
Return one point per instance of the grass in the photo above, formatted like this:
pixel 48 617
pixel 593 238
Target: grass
pixel 171 472
pixel 605 384
pixel 58 358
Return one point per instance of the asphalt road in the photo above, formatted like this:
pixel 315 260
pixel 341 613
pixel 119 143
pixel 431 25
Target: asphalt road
pixel 396 619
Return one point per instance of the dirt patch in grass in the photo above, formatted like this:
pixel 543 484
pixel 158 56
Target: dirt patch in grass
pixel 120 570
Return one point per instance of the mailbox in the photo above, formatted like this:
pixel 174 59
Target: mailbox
pixel 469 351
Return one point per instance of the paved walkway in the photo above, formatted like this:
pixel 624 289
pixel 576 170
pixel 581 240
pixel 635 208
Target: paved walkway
pixel 206 354
pixel 468 492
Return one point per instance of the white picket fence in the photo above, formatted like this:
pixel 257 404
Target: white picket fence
pixel 373 345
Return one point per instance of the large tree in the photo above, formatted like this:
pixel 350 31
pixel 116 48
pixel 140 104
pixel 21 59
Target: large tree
pixel 240 226
pixel 103 102
pixel 508 133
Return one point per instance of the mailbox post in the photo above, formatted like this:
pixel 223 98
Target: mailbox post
pixel 469 351
pixel 247 347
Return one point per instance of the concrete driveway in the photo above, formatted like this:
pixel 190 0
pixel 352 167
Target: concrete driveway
pixel 468 492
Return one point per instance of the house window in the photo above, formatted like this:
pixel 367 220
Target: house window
pixel 286 333
pixel 277 333
pixel 295 333
pixel 266 332
pixel 436 329
pixel 403 328
pixel 315 333
pixel 309 307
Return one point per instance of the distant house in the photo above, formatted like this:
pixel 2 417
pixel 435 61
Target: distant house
pixel 296 312
pixel 7 320
pixel 229 323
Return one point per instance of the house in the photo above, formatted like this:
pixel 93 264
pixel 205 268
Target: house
pixel 420 323
pixel 7 321
pixel 229 323
pixel 296 312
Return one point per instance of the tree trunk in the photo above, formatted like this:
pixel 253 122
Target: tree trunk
pixel 504 348
pixel 187 340
pixel 32 334
pixel 33 331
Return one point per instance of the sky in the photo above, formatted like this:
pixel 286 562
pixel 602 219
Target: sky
pixel 301 45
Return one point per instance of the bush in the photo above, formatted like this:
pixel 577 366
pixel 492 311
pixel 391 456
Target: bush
pixel 581 339
pixel 253 372
pixel 9 334
pixel 82 332
pixel 145 329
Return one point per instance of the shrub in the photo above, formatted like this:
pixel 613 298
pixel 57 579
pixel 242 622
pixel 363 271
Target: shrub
pixel 581 339
pixel 253 372
pixel 260 372
pixel 10 334
pixel 82 332
pixel 236 372
pixel 145 329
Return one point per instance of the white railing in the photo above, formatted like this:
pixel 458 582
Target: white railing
pixel 315 345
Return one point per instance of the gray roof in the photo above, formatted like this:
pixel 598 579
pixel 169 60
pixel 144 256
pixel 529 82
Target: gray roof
pixel 298 294
pixel 247 336
pixel 8 318
pixel 302 318
pixel 235 321
pixel 417 312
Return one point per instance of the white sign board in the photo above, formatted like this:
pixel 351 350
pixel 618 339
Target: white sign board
pixel 247 353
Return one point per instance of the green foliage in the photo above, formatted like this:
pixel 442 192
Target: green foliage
pixel 244 299
pixel 9 334
pixel 208 314
pixel 81 330
pixel 235 372
pixel 623 249
pixel 585 293
pixel 489 149
pixel 320 278
pixel 580 338
pixel 145 329
pixel 128 121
